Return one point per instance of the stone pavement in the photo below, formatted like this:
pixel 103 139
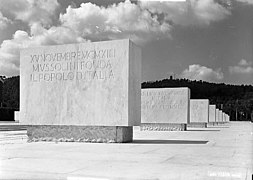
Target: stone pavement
pixel 220 152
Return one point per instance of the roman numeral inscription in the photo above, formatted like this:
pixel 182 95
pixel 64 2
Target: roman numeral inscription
pixel 73 65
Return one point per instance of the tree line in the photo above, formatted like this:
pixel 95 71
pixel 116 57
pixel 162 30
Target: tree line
pixel 9 93
pixel 235 100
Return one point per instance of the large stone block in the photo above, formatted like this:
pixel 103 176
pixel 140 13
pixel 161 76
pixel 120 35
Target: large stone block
pixel 224 117
pixel 212 113
pixel 199 111
pixel 16 116
pixel 88 84
pixel 165 106
pixel 220 116
pixel 217 115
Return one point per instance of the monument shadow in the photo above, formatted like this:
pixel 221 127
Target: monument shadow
pixel 156 141
pixel 207 130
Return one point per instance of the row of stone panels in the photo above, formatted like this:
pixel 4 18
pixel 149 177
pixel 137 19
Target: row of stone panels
pixel 172 109
pixel 91 92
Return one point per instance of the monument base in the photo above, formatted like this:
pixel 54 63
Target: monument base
pixel 162 127
pixel 220 123
pixel 64 133
pixel 197 125
pixel 212 124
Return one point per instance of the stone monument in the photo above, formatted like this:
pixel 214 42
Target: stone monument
pixel 16 116
pixel 81 92
pixel 226 118
pixel 217 116
pixel 199 113
pixel 220 117
pixel 212 115
pixel 165 109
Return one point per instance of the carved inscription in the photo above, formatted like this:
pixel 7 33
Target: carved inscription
pixel 198 109
pixel 73 65
pixel 195 110
pixel 161 100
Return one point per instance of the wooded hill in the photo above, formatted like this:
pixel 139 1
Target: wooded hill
pixel 10 92
pixel 235 100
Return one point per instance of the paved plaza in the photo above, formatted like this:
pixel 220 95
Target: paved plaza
pixel 219 152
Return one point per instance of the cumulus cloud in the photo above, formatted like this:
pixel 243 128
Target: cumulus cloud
pixel 142 21
pixel 139 21
pixel 123 20
pixel 195 12
pixel 243 67
pixel 198 72
pixel 246 1
pixel 4 21
pixel 9 50
pixel 30 11
pixel 244 62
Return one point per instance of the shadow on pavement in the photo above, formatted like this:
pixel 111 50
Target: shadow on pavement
pixel 202 130
pixel 144 141
pixel 219 127
pixel 12 127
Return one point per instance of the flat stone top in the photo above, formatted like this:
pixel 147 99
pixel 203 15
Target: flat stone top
pixel 212 108
pixel 200 100
pixel 87 44
pixel 219 152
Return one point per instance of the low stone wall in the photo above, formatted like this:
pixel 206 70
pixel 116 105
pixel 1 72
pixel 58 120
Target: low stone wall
pixel 212 124
pixel 197 125
pixel 162 127
pixel 62 133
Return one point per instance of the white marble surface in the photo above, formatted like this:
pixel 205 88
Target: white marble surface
pixel 16 116
pixel 220 116
pixel 224 117
pixel 81 84
pixel 165 105
pixel 227 117
pixel 212 113
pixel 217 153
pixel 217 115
pixel 199 110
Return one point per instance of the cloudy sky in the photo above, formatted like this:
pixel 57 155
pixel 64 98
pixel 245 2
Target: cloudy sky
pixel 209 40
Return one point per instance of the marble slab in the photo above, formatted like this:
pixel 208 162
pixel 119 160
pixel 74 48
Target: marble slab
pixel 86 84
pixel 212 113
pixel 165 105
pixel 199 111
pixel 220 116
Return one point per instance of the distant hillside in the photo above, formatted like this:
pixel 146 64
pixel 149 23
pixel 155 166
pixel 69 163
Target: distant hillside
pixel 10 92
pixel 237 101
